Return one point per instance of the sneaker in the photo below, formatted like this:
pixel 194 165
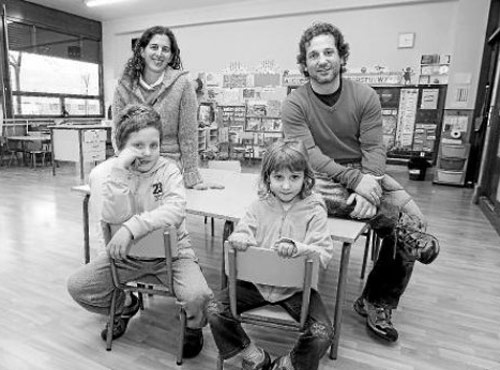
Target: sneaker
pixel 265 364
pixel 419 245
pixel 359 307
pixel 132 308
pixel 193 342
pixel 119 328
pixel 378 320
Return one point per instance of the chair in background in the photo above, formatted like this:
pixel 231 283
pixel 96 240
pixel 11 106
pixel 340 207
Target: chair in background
pixel 230 165
pixel 10 150
pixel 38 151
pixel 264 266
pixel 158 243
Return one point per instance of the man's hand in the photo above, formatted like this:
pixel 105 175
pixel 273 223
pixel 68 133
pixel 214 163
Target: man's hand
pixel 285 248
pixel 363 208
pixel 119 245
pixel 240 242
pixel 370 189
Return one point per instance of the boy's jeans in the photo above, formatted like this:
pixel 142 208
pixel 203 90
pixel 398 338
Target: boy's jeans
pixel 91 285
pixel 231 339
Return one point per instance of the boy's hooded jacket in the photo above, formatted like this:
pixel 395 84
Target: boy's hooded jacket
pixel 145 201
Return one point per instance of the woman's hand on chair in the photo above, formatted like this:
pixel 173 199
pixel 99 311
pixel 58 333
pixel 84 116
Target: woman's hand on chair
pixel 119 245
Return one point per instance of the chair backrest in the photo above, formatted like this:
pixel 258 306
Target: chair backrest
pixel 152 245
pixel 264 266
pixel 158 243
pixel 234 166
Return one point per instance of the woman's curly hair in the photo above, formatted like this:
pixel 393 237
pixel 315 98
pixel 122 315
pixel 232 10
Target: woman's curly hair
pixel 321 28
pixel 135 65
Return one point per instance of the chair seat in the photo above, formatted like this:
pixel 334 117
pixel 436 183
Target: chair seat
pixel 148 282
pixel 270 315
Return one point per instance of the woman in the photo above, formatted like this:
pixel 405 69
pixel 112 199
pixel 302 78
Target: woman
pixel 154 76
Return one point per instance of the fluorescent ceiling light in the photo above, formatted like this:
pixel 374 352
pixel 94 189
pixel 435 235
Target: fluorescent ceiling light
pixel 92 3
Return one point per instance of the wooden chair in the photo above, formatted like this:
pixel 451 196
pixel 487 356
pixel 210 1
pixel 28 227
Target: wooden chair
pixel 233 166
pixel 158 243
pixel 264 266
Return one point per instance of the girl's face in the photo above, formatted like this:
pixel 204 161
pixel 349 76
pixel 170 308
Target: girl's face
pixel 147 143
pixel 286 184
pixel 157 54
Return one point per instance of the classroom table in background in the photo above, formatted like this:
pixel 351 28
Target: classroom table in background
pixel 230 203
pixel 26 139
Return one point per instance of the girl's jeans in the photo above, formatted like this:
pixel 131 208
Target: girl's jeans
pixel 91 285
pixel 231 339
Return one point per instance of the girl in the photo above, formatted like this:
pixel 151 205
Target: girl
pixel 290 219
pixel 142 191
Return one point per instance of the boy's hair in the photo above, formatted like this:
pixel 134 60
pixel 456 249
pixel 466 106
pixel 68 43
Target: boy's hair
pixel 321 28
pixel 291 155
pixel 133 118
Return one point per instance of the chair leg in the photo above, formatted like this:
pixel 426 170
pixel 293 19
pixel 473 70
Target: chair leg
pixel 220 363
pixel 212 226
pixel 206 219
pixel 111 320
pixel 180 345
pixel 141 301
pixel 365 254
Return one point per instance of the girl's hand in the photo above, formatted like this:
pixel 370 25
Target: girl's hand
pixel 285 248
pixel 128 157
pixel 119 245
pixel 240 242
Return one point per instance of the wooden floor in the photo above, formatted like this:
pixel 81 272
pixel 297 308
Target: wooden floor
pixel 449 317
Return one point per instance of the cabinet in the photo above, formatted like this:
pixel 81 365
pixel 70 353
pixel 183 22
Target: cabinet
pixel 453 156
pixel 78 143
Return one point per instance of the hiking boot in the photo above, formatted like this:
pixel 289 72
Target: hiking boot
pixel 378 320
pixel 193 342
pixel 265 364
pixel 119 328
pixel 417 244
pixel 359 307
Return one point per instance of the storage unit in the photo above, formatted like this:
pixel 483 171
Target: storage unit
pixel 451 164
pixel 78 143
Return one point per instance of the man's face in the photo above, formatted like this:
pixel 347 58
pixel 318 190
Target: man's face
pixel 322 59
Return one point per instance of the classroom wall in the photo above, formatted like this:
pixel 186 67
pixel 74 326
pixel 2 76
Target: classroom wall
pixel 249 32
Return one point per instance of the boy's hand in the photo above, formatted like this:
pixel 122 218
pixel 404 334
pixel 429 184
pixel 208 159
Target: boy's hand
pixel 240 242
pixel 119 245
pixel 128 157
pixel 285 248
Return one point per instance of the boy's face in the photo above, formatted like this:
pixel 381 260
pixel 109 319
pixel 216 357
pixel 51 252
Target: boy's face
pixel 146 143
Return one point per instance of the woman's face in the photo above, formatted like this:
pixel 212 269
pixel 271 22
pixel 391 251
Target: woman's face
pixel 157 54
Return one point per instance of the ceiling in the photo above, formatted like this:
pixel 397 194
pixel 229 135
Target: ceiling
pixel 128 8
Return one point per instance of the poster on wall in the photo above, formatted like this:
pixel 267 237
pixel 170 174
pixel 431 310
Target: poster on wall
pixel 406 118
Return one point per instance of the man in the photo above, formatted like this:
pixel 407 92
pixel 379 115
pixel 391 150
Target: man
pixel 340 123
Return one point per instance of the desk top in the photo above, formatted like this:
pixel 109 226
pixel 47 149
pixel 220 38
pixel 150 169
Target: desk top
pixel 31 138
pixel 240 190
pixel 80 127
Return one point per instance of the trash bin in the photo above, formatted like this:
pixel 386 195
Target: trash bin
pixel 417 167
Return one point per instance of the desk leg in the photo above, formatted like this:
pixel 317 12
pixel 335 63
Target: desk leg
pixel 339 302
pixel 228 229
pixel 86 241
